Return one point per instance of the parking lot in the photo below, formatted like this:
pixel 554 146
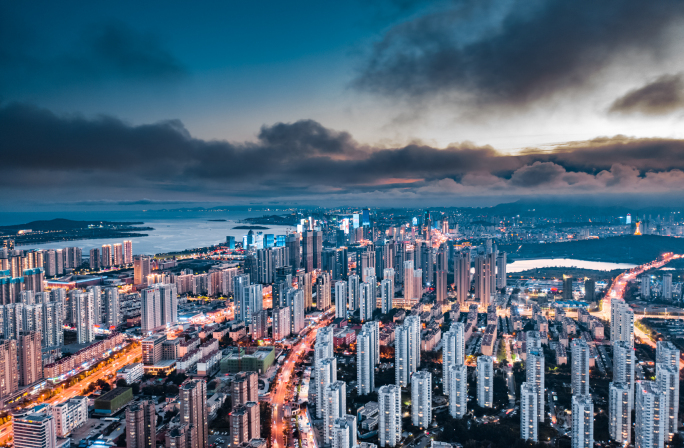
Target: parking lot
pixel 220 439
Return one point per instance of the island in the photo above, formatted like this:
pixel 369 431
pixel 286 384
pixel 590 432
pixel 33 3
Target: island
pixel 60 229
pixel 250 228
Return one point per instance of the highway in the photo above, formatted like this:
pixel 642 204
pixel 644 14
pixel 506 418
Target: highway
pixel 284 379
pixel 76 389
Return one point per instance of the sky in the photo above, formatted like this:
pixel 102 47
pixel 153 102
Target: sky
pixel 461 102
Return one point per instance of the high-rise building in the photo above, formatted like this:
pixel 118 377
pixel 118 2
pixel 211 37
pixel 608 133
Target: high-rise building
pixel 589 290
pixel 107 256
pixel 645 286
pixel 308 251
pixel 281 323
pixel 407 350
pixel 292 243
pixel 96 298
pixel 251 300
pixel 667 380
pixel 344 432
pixel 94 261
pixel 326 373
pixel 621 402
pixel 53 334
pixel 389 425
pixel 529 412
pixel 354 291
pixel 408 282
pixel 334 407
pixel 386 295
pixel 259 326
pixel 365 364
pixel 623 365
pixel 117 254
pixel 305 284
pixel 453 350
pixel 142 267
pixel 9 376
pixel 621 321
pixel 367 300
pixel 567 287
pixel 483 279
pixel 650 415
pixel 421 399
pixel 128 252
pixel 485 381
pixel 462 276
pixel 84 316
pixel 111 307
pixel 458 390
pixel 295 301
pixel 35 430
pixel 323 292
pixel 580 367
pixel 193 409
pixel 501 270
pixel 244 388
pixel 534 375
pixel 667 286
pixel 141 425
pixel 69 415
pixel 582 422
pixel 244 424
pixel 341 299
pixel 667 353
pixel 30 358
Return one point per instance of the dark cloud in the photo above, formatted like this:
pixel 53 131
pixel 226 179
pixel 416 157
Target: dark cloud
pixel 514 53
pixel 662 96
pixel 52 154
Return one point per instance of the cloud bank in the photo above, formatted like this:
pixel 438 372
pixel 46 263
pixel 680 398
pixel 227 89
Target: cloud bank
pixel 660 97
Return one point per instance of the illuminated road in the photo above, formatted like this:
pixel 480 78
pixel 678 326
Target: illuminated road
pixel 284 379
pixel 77 388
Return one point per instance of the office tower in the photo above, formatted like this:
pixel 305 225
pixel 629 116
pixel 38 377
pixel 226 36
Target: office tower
pixel 107 257
pixel 407 350
pixel 35 430
pixel 458 390
pixel 240 282
pixel 421 399
pixel 259 326
pixel 244 388
pixel 367 300
pixel 326 373
pixel 251 301
pixel 94 261
pixel 9 375
pixel 621 402
pixel 84 316
pixel 305 283
pixel 567 287
pixel 295 301
pixel 265 266
pixel 417 284
pixel 650 415
pixel 341 300
pixel 462 276
pixel 485 381
pixel 529 403
pixel 354 291
pixel 534 374
pixel 344 432
pixel 193 409
pixel 589 290
pixel 117 254
pixel 308 251
pixel 365 364
pixel 292 243
pixel 667 286
pixel 501 270
pixel 623 366
pixel 408 282
pixel 323 291
pixel 386 295
pixel 453 350
pixel 53 334
pixel 317 248
pixel 334 407
pixel 141 425
pixel 667 380
pixel 645 286
pixel 582 421
pixel 442 268
pixel 111 307
pixel 389 426
pixel 621 322
pixel 281 323
pixel 580 367
pixel 30 358
pixel 142 267
pixel 128 252
pixel 667 353
pixel 483 280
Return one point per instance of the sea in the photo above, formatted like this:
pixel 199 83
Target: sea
pixel 173 230
pixel 524 265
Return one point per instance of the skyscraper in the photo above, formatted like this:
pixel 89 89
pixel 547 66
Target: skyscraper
pixel 667 380
pixel 354 291
pixel 128 252
pixel 421 399
pixel 501 270
pixel 141 425
pixel 623 366
pixel 326 373
pixel 334 407
pixel 251 300
pixel 534 374
pixel 483 279
pixel 244 388
pixel 117 254
pixel 107 256
pixel 323 292
pixel 442 268
pixel 667 353
pixel 292 243
pixel 367 300
pixel 580 367
pixel 111 307
pixel 389 425
pixel 94 261
pixel 485 381
pixel 386 295
pixel 650 415
pixel 142 267
pixel 667 286
pixel 529 412
pixel 458 390
pixel 30 358
pixel 453 350
pixel 84 314
pixel 407 350
pixel 408 282
pixel 567 287
pixel 620 407
pixel 193 409
pixel 621 322
pixel 9 375
pixel 341 299
pixel 589 290
pixel 281 323
pixel 53 334
pixel 295 301
pixel 344 432
pixel 645 287
pixel 365 364
pixel 308 251
pixel 582 421
pixel 462 276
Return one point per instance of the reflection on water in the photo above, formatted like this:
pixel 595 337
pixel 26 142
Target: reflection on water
pixel 524 265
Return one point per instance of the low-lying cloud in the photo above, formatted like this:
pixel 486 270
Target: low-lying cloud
pixel 659 97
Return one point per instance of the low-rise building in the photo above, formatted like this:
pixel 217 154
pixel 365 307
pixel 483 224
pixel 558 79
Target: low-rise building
pixel 132 373
pixel 70 414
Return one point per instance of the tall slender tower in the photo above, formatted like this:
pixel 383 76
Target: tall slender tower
pixel 389 426
pixel 193 404
pixel 580 367
pixel 529 412
pixel 453 350
pixel 623 366
pixel 462 276
pixel 141 425
pixel 534 372
pixel 485 381
pixel 582 421
pixel 341 299
pixel 421 399
pixel 458 390
pixel 621 402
